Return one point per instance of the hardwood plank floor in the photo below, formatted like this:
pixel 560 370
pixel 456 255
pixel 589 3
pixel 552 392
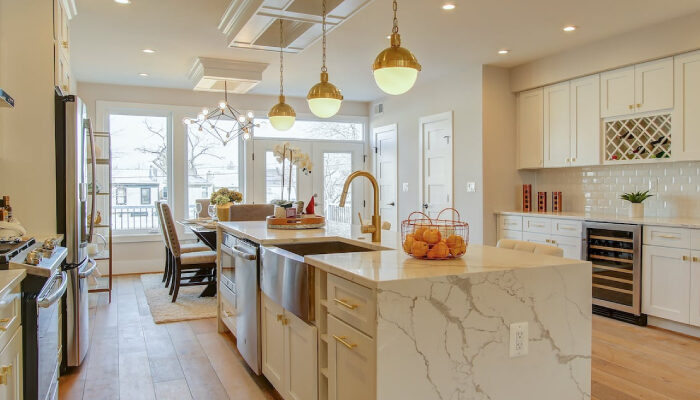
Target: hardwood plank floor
pixel 131 357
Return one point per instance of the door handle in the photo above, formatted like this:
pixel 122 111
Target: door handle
pixel 90 270
pixel 51 298
pixel 391 204
pixel 425 205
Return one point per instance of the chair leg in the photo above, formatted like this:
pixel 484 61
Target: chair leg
pixel 174 274
pixel 177 275
pixel 169 269
pixel 165 266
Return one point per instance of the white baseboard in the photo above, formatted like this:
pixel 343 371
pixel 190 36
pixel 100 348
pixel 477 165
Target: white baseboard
pixel 674 326
pixel 134 267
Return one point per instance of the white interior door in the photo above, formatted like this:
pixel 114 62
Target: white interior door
pixel 333 162
pixel 385 170
pixel 436 162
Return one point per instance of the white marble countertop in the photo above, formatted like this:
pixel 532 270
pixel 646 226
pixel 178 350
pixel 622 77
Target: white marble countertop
pixel 680 222
pixel 10 277
pixel 374 268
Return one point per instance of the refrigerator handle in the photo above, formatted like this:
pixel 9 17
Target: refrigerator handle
pixel 93 163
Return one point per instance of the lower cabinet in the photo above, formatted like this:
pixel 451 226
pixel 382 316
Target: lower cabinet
pixel 351 362
pixel 666 284
pixel 11 368
pixel 571 246
pixel 289 351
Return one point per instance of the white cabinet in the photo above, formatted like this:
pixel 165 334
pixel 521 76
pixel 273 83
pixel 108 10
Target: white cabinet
pixel 666 283
pixel 695 288
pixel 11 368
pixel 617 92
pixel 635 89
pixel 530 134
pixel 571 246
pixel 686 119
pixel 585 121
pixel 537 225
pixel 289 358
pixel 557 136
pixel 351 362
pixel 560 232
pixel 62 14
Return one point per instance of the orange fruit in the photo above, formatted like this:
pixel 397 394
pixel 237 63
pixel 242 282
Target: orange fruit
pixel 432 236
pixel 419 249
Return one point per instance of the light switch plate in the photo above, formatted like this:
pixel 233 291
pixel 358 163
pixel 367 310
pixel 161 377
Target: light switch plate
pixel 471 187
pixel 405 187
pixel 518 339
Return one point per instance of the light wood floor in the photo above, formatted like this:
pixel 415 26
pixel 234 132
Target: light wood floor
pixel 132 358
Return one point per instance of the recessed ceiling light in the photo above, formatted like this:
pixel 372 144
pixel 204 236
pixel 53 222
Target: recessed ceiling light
pixel 569 28
pixel 448 6
pixel 123 1
pixel 503 51
pixel 148 51
pixel 143 74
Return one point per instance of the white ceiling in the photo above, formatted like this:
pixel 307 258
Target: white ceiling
pixel 108 37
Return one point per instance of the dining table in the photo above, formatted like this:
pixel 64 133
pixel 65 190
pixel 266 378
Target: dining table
pixel 205 231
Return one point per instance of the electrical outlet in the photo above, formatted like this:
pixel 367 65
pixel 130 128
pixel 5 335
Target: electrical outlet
pixel 518 339
pixel 405 187
pixel 471 187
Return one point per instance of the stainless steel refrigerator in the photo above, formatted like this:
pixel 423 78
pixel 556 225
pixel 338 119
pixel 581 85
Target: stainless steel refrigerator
pixel 75 179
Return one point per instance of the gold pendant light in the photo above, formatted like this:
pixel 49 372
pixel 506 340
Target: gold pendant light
pixel 282 115
pixel 395 68
pixel 324 98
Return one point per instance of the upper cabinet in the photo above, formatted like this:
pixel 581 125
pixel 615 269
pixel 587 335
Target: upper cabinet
pixel 63 11
pixel 530 133
pixel 640 88
pixel 686 118
pixel 585 121
pixel 557 140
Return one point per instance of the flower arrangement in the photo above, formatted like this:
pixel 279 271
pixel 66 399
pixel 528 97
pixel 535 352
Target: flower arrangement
pixel 287 153
pixel 224 196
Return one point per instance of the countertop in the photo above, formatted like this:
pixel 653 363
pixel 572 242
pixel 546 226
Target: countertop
pixel 10 277
pixel 680 222
pixel 374 268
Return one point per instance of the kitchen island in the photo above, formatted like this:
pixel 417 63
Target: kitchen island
pixel 392 327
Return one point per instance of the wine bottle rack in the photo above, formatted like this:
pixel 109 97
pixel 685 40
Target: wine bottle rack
pixel 641 138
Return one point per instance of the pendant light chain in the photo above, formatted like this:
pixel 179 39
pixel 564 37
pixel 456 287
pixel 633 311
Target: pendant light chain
pixel 281 59
pixel 323 68
pixel 395 29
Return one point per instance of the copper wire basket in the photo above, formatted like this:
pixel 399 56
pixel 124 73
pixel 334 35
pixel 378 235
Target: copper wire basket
pixel 437 238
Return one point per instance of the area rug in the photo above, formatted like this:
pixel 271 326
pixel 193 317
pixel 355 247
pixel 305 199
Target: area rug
pixel 187 307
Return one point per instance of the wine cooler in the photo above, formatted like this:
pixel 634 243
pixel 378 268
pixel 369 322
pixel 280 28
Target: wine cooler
pixel 615 250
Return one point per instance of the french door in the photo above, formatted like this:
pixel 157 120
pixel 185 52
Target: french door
pixel 332 162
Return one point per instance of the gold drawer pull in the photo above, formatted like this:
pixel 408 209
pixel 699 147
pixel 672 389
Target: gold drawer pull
pixel 5 372
pixel 695 259
pixel 639 105
pixel 685 258
pixel 342 340
pixel 4 321
pixel 668 236
pixel 344 303
pixel 280 316
pixel 631 106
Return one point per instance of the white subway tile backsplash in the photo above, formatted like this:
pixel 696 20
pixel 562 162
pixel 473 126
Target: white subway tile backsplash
pixel 676 187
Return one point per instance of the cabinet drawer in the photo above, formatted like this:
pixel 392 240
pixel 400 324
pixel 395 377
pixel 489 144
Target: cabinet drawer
pixel 667 237
pixel 537 225
pixel 11 359
pixel 10 314
pixel 511 222
pixel 536 238
pixel 351 363
pixel 352 303
pixel 567 227
pixel 572 246
pixel 508 234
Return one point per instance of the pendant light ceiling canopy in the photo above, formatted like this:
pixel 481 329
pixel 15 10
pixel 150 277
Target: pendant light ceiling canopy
pixel 324 98
pixel 395 68
pixel 282 115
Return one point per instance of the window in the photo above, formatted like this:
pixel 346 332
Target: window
pixel 212 164
pixel 145 195
pixel 319 130
pixel 139 165
pixel 336 168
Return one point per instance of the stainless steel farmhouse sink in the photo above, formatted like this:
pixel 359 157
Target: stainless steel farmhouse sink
pixel 288 281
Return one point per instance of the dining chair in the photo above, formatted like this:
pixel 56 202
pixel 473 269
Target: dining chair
pixel 530 247
pixel 250 212
pixel 194 268
pixel 184 247
pixel 205 207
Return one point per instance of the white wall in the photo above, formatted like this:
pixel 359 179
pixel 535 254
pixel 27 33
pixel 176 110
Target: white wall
pixel 27 151
pixel 461 94
pixel 671 37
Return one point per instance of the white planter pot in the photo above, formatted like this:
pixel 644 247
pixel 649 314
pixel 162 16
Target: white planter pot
pixel 636 210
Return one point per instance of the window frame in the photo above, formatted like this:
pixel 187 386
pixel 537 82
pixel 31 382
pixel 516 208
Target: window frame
pixel 147 191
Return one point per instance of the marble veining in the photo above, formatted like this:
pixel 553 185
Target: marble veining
pixel 448 337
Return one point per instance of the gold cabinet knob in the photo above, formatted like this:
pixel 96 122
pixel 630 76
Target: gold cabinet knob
pixel 695 259
pixel 64 44
pixel 631 106
pixel 280 316
pixel 5 373
pixel 639 105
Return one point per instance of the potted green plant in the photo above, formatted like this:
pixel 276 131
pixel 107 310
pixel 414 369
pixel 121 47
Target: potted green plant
pixel 636 199
pixel 224 198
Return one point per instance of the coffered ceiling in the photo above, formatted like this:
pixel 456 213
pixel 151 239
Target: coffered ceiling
pixel 108 38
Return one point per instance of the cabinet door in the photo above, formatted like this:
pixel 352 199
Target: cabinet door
pixel 654 85
pixel 686 119
pixel 351 363
pixel 300 360
pixel 570 245
pixel 666 283
pixel 273 343
pixel 617 92
pixel 557 126
pixel 695 288
pixel 11 368
pixel 536 238
pixel 585 121
pixel 530 134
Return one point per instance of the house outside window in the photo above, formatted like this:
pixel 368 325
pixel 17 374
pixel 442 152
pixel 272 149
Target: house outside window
pixel 120 196
pixel 145 195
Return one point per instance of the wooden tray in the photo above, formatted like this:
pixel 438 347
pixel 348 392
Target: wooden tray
pixel 303 222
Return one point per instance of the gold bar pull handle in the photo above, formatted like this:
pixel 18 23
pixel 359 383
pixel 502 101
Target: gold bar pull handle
pixel 695 259
pixel 4 322
pixel 344 342
pixel 345 304
pixel 280 317
pixel 5 373
pixel 665 236
pixel 685 258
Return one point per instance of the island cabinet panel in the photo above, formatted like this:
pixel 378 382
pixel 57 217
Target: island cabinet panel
pixel 10 314
pixel 11 368
pixel 351 363
pixel 666 283
pixel 695 288
pixel 301 378
pixel 617 92
pixel 530 128
pixel 272 343
pixel 352 303
pixel 686 118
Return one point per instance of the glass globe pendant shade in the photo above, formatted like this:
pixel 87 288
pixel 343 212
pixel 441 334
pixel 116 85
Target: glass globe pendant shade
pixel 282 115
pixel 395 68
pixel 324 98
